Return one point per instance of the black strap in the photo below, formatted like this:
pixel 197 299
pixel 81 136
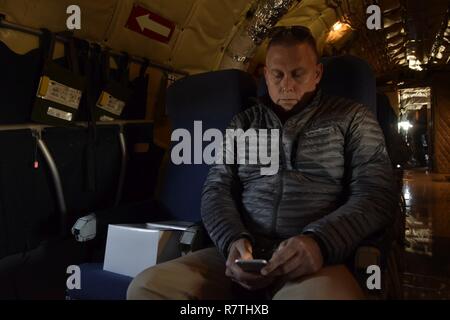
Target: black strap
pixel 70 52
pixel 47 44
pixel 82 52
pixel 144 67
pixel 160 108
pixel 96 61
pixel 82 49
pixel 90 174
pixel 106 55
pixel 123 62
pixel 92 128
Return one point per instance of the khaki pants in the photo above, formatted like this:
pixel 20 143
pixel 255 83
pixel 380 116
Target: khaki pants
pixel 201 276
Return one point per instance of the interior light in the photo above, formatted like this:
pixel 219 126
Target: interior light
pixel 407 195
pixel 405 125
pixel 337 31
pixel 337 26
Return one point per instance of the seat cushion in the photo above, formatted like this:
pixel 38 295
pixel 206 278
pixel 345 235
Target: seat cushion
pixel 97 284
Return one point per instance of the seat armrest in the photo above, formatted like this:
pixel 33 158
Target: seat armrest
pixel 96 223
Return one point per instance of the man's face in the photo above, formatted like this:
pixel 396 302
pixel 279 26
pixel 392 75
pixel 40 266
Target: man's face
pixel 291 73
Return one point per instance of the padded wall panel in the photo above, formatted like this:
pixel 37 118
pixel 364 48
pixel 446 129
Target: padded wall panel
pixel 441 128
pixel 51 14
pixel 203 27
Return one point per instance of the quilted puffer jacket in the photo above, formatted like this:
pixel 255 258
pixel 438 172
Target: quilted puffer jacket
pixel 335 181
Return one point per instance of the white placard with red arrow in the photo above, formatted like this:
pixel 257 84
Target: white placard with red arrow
pixel 149 24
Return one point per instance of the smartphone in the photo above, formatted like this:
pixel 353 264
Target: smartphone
pixel 254 265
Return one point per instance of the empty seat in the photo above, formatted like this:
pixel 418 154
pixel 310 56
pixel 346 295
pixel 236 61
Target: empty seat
pixel 213 98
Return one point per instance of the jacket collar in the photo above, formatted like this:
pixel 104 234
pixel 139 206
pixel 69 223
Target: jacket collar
pixel 266 102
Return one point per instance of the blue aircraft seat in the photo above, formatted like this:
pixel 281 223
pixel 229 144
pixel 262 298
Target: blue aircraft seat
pixel 212 98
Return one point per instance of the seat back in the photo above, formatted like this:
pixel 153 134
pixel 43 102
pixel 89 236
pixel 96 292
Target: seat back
pixel 212 98
pixel 353 78
pixel 350 77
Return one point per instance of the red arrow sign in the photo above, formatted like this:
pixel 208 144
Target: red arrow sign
pixel 150 24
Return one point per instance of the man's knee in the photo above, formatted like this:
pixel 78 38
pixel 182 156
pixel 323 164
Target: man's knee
pixel 193 276
pixel 330 283
pixel 144 286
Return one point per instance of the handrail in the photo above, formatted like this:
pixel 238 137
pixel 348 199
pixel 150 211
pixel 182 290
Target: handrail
pixel 79 124
pixel 56 180
pixel 123 166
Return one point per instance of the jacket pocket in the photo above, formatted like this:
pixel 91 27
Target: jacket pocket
pixel 318 132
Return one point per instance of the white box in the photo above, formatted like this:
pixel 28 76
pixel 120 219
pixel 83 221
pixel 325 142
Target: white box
pixel 132 248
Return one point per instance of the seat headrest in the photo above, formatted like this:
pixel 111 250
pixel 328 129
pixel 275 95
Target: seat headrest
pixel 350 77
pixel 212 97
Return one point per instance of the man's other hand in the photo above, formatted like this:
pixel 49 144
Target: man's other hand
pixel 242 249
pixel 295 257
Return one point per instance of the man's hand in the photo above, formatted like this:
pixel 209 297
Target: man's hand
pixel 295 257
pixel 242 249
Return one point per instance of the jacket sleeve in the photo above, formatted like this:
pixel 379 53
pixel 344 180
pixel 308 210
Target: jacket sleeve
pixel 371 192
pixel 219 204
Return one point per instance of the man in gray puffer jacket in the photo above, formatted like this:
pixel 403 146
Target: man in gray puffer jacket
pixel 334 187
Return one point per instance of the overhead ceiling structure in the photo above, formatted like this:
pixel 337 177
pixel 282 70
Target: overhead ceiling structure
pixel 385 48
pixel 415 34
pixel 426 24
pixel 218 34
pixel 203 28
pixel 440 49
pixel 406 40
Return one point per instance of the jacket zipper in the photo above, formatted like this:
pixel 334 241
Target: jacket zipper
pixel 281 176
pixel 277 203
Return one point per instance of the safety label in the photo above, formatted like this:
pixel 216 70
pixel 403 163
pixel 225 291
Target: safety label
pixel 59 93
pixel 109 103
pixel 60 114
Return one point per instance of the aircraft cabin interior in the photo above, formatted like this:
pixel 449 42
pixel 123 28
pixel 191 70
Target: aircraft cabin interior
pixel 113 114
